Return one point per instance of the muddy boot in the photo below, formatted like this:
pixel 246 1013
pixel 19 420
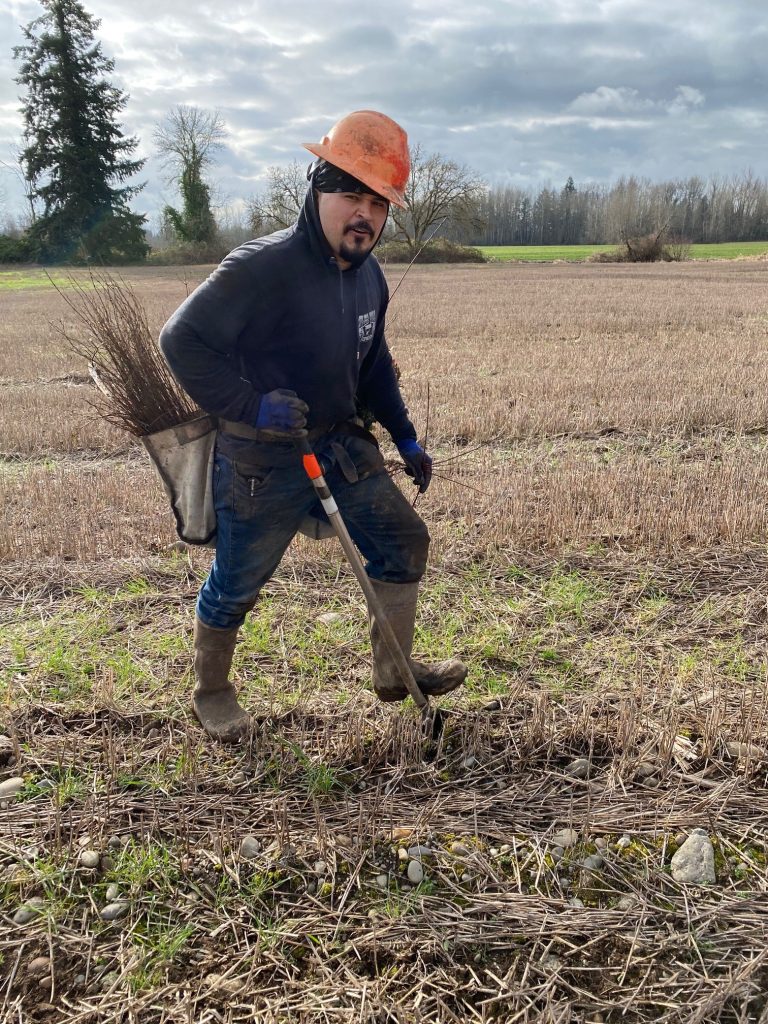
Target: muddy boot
pixel 214 699
pixel 398 601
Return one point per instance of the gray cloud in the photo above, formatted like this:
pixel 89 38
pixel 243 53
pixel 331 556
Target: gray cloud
pixel 521 92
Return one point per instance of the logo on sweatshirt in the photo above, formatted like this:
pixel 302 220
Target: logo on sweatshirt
pixel 366 328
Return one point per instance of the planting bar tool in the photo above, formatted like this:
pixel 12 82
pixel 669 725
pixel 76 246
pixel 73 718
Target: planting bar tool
pixel 432 717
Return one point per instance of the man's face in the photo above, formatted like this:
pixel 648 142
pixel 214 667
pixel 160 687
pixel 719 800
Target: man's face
pixel 351 223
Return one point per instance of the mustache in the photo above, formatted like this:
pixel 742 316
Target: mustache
pixel 360 225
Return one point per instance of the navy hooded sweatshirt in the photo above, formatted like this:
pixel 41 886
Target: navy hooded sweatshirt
pixel 279 312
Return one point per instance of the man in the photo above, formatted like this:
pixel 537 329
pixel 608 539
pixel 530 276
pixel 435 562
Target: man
pixel 281 338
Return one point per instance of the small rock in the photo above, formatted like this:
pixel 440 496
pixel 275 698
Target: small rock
pixel 30 852
pixel 601 843
pixel 41 965
pixel 153 734
pixel 417 852
pixel 492 705
pixel 110 978
pixel 745 751
pixel 565 837
pixel 114 911
pixel 107 863
pixel 643 769
pixel 239 778
pixel 694 862
pixel 402 854
pixel 557 853
pixel 79 980
pixel 328 618
pixel 11 787
pixel 505 848
pixel 470 762
pixel 112 893
pixel 46 785
pixel 114 843
pixel 312 887
pixel 593 863
pixel 415 872
pixel 623 842
pixel 460 850
pixel 89 859
pixel 45 982
pixel 578 769
pixel 7 750
pixel 554 963
pixel 680 838
pixel 382 881
pixel 30 911
pixel 494 851
pixel 652 781
pixel 320 868
pixel 466 877
pixel 250 847
pixel 627 903
pixel 574 901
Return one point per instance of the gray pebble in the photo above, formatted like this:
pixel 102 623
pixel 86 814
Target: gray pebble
pixel 250 847
pixel 415 872
pixel 11 787
pixel 7 750
pixel 46 785
pixel 30 911
pixel 643 769
pixel 109 980
pixel 320 867
pixel 45 982
pixel 89 859
pixel 312 887
pixel 420 851
pixel 492 705
pixel 114 843
pixel 79 980
pixel 382 881
pixel 593 863
pixel 623 842
pixel 505 848
pixel 113 911
pixel 153 734
pixel 578 769
pixel 460 850
pixel 466 877
pixel 112 893
pixel 601 843
pixel 328 618
pixel 470 762
pixel 627 903
pixel 239 778
pixel 402 854
pixel 680 838
pixel 565 837
pixel 557 853
pixel 574 901
pixel 694 862
pixel 41 965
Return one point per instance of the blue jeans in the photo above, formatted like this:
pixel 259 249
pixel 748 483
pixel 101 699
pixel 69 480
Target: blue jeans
pixel 262 494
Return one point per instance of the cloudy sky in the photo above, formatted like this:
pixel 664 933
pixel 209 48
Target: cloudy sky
pixel 523 91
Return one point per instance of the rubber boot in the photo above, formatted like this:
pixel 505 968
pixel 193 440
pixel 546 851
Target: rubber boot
pixel 214 699
pixel 398 601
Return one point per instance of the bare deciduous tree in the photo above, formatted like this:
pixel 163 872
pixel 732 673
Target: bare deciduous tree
pixel 438 190
pixel 279 205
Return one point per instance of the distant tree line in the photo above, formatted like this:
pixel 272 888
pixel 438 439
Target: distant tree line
pixel 696 209
pixel 77 167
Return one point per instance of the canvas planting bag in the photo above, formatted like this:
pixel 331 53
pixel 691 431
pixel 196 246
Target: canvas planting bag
pixel 183 457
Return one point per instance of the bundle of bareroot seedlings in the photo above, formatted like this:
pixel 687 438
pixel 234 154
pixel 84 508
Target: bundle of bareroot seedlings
pixel 136 390
pixel 137 393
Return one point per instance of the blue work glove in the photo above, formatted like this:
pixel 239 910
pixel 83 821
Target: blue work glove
pixel 282 410
pixel 417 463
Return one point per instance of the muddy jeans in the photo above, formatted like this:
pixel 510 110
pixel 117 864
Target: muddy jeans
pixel 262 494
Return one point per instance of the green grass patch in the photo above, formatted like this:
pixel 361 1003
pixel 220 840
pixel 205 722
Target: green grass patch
pixel 20 280
pixel 576 253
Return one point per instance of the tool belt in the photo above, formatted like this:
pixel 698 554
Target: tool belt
pixel 183 457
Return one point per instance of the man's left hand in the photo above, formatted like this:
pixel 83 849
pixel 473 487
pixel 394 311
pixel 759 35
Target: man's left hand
pixel 417 463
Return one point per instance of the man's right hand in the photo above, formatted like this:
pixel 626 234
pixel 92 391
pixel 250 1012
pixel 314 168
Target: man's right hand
pixel 282 410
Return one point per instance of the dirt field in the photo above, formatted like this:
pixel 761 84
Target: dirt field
pixel 599 526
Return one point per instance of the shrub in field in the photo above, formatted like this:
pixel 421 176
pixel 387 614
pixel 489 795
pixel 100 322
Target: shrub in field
pixel 14 250
pixel 653 248
pixel 440 250
pixel 188 254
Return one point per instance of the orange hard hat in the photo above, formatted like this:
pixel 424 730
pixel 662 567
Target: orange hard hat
pixel 372 148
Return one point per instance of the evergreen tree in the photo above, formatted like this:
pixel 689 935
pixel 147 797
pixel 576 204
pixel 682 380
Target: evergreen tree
pixel 76 159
